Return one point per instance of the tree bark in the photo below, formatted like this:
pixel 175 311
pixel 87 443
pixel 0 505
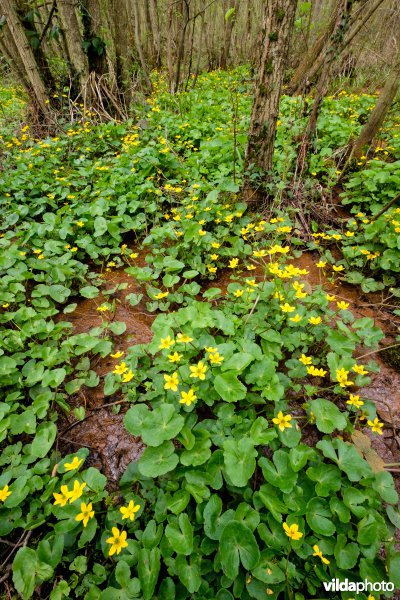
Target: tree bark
pixel 36 86
pixel 380 111
pixel 74 41
pixel 229 24
pixel 277 28
pixel 301 74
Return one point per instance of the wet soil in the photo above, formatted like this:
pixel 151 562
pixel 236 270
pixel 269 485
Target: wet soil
pixel 113 448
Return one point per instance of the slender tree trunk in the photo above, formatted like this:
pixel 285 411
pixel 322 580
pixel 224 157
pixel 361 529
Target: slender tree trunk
pixel 32 76
pixel 301 74
pixel 380 111
pixel 156 36
pixel 74 42
pixel 138 44
pixel 181 47
pixel 325 77
pixel 276 32
pixel 229 24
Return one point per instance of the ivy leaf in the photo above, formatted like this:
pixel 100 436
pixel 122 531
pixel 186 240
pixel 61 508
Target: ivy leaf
pixel 228 386
pixel 327 415
pixel 239 459
pixel 180 535
pixel 158 461
pixel 238 544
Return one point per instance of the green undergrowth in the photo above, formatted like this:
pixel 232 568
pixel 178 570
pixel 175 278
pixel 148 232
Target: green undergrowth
pixel 258 479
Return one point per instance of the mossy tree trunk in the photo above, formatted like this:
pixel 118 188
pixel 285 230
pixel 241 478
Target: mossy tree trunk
pixel 276 32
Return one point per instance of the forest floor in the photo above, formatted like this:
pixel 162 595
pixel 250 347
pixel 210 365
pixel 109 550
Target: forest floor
pixel 163 345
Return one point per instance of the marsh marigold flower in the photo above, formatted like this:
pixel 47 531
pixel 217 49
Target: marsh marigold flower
pixel 292 531
pixel 128 512
pixel 4 493
pixel 166 343
pixel 117 541
pixel 198 371
pixel 171 382
pixel 188 398
pixel 75 464
pixel 282 421
pixel 317 552
pixel 376 426
pixel 86 513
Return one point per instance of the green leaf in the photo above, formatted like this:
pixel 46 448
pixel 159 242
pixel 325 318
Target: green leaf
pixel 347 459
pixel 328 416
pixel 259 432
pixel 180 535
pixel 346 554
pixel 148 570
pixel 384 485
pixel 279 473
pixel 228 386
pixel 239 459
pixel 24 571
pixel 327 477
pixel 238 544
pixel 189 574
pixel 44 439
pixel 158 461
pixel 155 427
pixel 319 517
pixel 237 362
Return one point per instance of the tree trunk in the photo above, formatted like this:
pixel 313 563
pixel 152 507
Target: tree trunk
pixel 181 47
pixel 229 24
pixel 36 86
pixel 74 41
pixel 380 111
pixel 301 74
pixel 276 32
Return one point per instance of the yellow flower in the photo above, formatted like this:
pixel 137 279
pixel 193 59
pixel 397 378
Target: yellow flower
pixel 171 382
pixel 117 541
pixel 215 245
pixel 102 308
pixel 4 493
pixel 75 464
pixel 133 255
pixel 76 491
pixel 199 371
pixel 321 264
pixel 360 370
pixel 315 320
pixel 338 268
pixel 85 514
pixel 120 369
pixel 330 297
pixel 342 305
pixel 63 497
pixel 188 398
pixel 306 360
pixel 214 256
pixel 161 295
pixel 128 512
pixel 376 426
pixel 282 421
pixel 238 293
pixel 210 349
pixel 355 401
pixel 166 343
pixel 117 354
pixel 316 372
pixel 259 253
pixel 211 269
pixel 317 552
pixel 287 308
pixel 233 263
pixel 182 338
pixel 216 358
pixel 127 376
pixel 202 232
pixel 292 531
pixel 296 319
pixel 175 357
pixel 341 376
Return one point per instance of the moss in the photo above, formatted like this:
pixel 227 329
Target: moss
pixel 273 36
pixel 391 356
